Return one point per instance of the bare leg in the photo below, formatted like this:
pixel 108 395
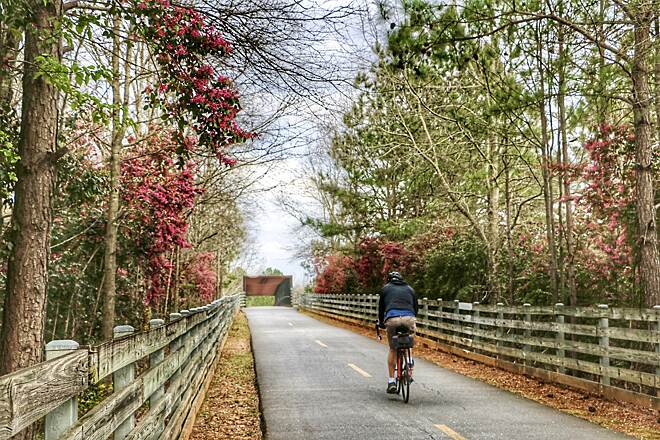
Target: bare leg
pixel 391 361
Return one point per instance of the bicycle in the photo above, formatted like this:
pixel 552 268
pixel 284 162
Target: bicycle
pixel 403 341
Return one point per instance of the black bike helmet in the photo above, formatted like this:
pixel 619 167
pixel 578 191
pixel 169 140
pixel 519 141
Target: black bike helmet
pixel 394 276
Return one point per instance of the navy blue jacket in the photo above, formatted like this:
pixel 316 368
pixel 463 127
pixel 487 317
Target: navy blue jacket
pixel 396 295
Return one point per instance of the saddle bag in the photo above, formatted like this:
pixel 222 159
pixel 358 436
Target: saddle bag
pixel 403 341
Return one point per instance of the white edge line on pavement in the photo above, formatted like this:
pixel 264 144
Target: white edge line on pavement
pixel 359 370
pixel 450 432
pixel 321 344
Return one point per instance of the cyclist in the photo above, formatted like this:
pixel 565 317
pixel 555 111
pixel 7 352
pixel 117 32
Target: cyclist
pixel 397 308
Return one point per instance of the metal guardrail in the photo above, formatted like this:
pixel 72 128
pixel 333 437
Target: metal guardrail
pixel 609 350
pixel 177 357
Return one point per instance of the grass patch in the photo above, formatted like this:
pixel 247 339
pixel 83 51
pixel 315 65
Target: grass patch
pixel 258 301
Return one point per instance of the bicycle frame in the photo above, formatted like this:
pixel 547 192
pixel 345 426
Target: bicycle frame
pixel 403 379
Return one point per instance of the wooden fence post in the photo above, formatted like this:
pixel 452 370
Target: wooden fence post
pixel 559 337
pixel 527 333
pixel 604 342
pixel 500 328
pixel 65 415
pixel 439 318
pixel 457 311
pixel 174 346
pixel 425 312
pixel 120 380
pixel 156 358
pixel 475 325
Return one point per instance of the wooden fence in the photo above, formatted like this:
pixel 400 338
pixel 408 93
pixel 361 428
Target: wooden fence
pixel 607 350
pixel 159 378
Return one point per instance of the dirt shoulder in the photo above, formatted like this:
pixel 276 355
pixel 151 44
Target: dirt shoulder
pixel 623 417
pixel 231 407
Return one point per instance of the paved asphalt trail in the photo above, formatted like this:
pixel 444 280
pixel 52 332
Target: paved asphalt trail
pixel 309 391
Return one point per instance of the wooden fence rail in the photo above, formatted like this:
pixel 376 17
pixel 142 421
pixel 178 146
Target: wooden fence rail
pixel 608 350
pixel 158 375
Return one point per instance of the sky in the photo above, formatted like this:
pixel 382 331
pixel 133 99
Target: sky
pixel 275 234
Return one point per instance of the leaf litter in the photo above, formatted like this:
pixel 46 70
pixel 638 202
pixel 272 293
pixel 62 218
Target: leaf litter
pixel 231 406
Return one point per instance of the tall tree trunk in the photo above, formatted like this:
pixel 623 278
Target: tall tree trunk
pixel 219 264
pixel 568 204
pixel 110 253
pixel 644 193
pixel 601 100
pixel 22 341
pixel 547 182
pixel 657 80
pixel 8 49
pixel 509 226
pixel 493 217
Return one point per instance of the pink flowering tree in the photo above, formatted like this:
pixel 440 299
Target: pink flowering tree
pixel 200 277
pixel 158 194
pixel 604 221
pixel 335 274
pixel 199 101
pixel 198 107
pixel 606 213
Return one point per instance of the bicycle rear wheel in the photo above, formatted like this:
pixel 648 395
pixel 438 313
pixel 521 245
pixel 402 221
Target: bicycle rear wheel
pixel 405 376
pixel 399 369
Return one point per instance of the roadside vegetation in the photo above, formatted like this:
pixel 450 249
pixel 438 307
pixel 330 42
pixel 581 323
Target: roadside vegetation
pixel 640 423
pixel 498 151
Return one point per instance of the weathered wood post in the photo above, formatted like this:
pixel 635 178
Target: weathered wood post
pixel 527 333
pixel 604 342
pixel 440 316
pixel 499 329
pixel 475 320
pixel 156 358
pixel 183 339
pixel 656 327
pixel 559 337
pixel 120 380
pixel 175 345
pixel 367 308
pixel 65 415
pixel 457 312
pixel 425 312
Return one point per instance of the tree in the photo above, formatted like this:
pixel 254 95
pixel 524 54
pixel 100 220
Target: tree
pixel 21 342
pixel 272 271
